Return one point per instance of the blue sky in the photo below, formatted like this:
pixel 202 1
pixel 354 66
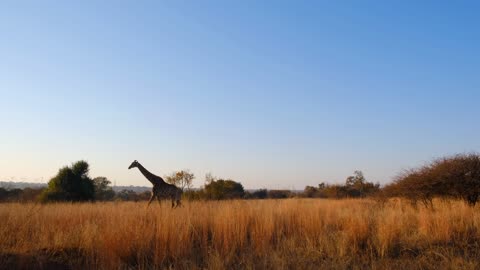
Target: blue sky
pixel 275 94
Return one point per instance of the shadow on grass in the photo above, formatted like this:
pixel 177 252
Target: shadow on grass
pixel 68 258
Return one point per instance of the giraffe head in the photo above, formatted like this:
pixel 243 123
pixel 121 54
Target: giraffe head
pixel 133 165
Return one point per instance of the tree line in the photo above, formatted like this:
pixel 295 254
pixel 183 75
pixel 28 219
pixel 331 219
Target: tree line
pixel 73 184
pixel 452 177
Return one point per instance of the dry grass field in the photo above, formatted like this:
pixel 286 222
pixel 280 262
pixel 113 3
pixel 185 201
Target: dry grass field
pixel 264 234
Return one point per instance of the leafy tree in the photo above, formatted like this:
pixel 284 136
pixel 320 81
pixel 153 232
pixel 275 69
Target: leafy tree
pixel 103 190
pixel 357 186
pixel 310 192
pixel 260 194
pixel 357 179
pixel 70 184
pixel 182 179
pixel 223 189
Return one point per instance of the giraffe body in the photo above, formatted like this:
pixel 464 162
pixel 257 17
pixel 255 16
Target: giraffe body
pixel 161 189
pixel 167 191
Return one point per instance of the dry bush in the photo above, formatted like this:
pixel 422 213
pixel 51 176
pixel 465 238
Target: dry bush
pixel 456 177
pixel 253 234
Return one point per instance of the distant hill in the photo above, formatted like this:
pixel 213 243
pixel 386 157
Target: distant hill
pixel 23 185
pixel 137 189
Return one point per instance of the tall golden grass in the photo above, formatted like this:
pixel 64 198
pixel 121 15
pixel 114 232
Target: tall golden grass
pixel 263 234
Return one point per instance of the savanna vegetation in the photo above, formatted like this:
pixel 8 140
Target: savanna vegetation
pixel 83 224
pixel 456 177
pixel 241 234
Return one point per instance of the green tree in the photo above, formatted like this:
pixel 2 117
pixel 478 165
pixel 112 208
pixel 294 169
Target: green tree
pixel 103 190
pixel 357 179
pixel 70 184
pixel 357 186
pixel 223 189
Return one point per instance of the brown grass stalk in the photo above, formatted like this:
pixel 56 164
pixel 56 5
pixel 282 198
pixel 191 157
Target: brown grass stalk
pixel 263 234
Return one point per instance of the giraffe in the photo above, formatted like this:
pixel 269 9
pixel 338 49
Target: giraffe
pixel 160 189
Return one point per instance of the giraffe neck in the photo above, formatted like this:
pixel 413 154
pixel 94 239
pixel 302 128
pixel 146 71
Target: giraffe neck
pixel 155 180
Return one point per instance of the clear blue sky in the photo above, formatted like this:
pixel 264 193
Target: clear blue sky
pixel 276 94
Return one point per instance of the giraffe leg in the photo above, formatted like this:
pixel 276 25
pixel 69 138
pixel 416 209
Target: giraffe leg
pixel 151 199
